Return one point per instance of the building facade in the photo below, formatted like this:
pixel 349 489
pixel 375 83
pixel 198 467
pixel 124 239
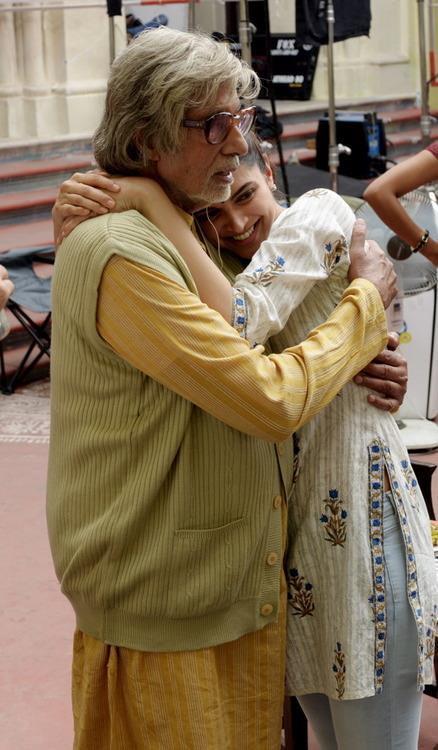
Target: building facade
pixel 54 60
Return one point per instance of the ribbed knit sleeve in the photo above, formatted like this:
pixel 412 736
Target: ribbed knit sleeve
pixel 164 330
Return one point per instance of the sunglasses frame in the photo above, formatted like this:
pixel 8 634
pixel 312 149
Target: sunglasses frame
pixel 234 121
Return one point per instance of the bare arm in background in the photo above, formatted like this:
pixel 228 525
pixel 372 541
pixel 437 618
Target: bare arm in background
pixel 384 192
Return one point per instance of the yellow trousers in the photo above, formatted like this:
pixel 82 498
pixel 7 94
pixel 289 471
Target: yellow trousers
pixel 229 697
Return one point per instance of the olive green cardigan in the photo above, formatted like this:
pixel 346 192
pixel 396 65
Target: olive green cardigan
pixel 164 523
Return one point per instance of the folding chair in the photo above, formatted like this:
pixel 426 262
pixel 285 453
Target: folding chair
pixel 32 293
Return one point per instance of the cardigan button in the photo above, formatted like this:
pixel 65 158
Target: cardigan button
pixel 266 610
pixel 272 558
pixel 277 502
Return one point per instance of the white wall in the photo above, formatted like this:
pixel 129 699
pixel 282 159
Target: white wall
pixel 383 64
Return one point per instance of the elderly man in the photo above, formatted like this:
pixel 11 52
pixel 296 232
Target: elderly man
pixel 171 458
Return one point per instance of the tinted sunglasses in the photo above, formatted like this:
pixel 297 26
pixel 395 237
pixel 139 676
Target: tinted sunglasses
pixel 217 127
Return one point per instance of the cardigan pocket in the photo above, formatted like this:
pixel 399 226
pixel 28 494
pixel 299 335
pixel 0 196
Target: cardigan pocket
pixel 211 566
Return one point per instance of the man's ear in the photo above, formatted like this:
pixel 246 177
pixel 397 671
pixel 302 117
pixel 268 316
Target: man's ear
pixel 151 153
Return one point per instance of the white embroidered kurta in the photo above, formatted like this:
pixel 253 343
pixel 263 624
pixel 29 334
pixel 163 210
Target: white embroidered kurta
pixel 336 573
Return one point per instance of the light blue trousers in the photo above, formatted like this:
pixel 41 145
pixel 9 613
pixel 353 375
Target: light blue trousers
pixel 390 720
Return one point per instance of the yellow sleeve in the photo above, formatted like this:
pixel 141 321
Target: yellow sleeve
pixel 165 331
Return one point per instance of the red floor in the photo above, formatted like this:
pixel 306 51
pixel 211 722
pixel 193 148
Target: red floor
pixel 37 623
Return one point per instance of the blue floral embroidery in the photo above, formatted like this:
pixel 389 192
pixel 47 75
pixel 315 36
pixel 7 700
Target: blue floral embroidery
pixel 264 276
pixel 334 520
pixel 239 313
pixel 411 483
pixel 300 594
pixel 339 670
pixel 411 566
pixel 333 252
pixel 431 633
pixel 377 599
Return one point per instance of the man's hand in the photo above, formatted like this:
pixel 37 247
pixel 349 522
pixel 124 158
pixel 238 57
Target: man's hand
pixel 368 261
pixel 6 287
pixel 388 375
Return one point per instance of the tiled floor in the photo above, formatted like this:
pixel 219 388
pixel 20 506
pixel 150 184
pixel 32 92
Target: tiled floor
pixel 36 621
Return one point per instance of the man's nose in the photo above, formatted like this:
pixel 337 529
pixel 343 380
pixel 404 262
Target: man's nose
pixel 235 143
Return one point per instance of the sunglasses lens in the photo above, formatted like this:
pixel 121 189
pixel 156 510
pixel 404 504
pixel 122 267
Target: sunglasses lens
pixel 217 128
pixel 246 122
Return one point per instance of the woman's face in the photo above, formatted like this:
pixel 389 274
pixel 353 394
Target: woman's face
pixel 243 221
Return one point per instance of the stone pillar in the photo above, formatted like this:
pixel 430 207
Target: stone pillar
pixel 54 68
pixel 86 64
pixel 39 107
pixel 11 102
pixel 210 16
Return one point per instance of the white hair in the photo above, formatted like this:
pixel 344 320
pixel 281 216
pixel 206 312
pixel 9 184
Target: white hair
pixel 160 76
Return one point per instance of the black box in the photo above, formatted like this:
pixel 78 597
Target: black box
pixel 364 133
pixel 293 65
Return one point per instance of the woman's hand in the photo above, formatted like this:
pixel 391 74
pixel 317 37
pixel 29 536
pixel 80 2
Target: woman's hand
pixel 92 193
pixel 83 195
pixel 387 374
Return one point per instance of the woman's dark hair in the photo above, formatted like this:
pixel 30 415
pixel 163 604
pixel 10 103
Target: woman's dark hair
pixel 256 155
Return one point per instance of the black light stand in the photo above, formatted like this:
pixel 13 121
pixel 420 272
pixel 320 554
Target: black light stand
pixel 114 8
pixel 245 36
pixel 333 153
pixel 191 21
pixel 270 87
pixel 245 32
pixel 426 120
